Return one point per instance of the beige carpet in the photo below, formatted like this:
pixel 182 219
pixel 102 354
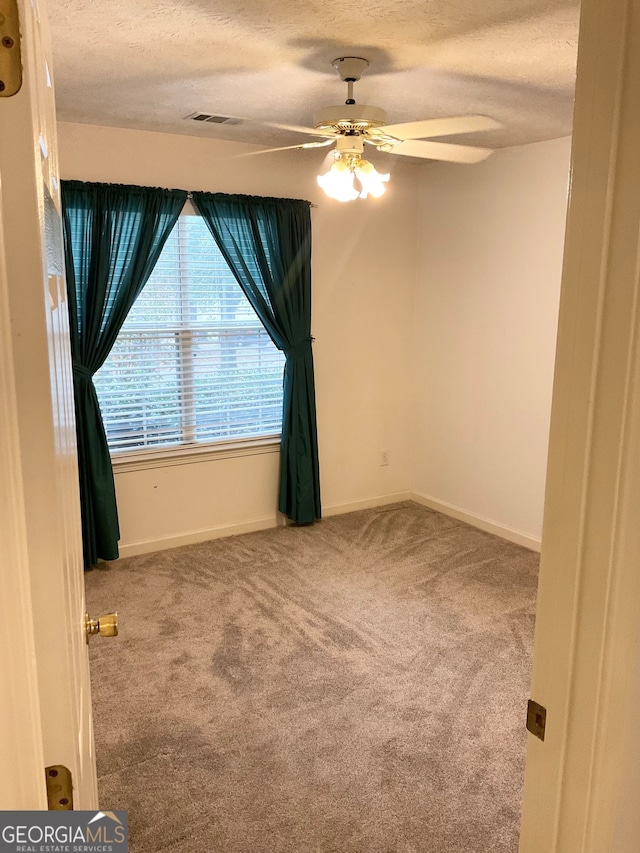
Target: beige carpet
pixel 358 686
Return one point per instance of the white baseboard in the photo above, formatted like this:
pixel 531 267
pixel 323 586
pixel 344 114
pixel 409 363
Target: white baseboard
pixel 478 521
pixel 367 503
pixel 148 546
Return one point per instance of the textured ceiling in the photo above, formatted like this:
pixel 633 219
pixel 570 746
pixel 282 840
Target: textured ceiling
pixel 149 63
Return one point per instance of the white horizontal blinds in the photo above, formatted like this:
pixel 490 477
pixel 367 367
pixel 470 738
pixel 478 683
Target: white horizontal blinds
pixel 192 363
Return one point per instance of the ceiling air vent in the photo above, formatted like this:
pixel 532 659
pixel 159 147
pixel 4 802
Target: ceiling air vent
pixel 213 119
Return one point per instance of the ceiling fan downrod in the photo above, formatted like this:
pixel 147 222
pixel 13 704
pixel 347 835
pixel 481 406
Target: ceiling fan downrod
pixel 350 69
pixel 350 99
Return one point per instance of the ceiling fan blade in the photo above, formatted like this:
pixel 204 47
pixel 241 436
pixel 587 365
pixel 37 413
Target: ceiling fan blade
pixel 289 147
pixel 440 127
pixel 445 151
pixel 292 128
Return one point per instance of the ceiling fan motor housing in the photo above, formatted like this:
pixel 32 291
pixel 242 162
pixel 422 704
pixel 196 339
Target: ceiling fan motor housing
pixel 348 117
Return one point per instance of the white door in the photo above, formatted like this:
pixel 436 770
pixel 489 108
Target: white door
pixel 582 785
pixel 44 661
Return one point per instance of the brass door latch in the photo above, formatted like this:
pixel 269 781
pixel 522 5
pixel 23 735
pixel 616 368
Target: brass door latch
pixel 106 625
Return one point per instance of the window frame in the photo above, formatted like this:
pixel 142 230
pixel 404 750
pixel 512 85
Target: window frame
pixel 161 456
pixel 147 458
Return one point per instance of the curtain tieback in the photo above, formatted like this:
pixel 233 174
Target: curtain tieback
pixel 298 347
pixel 82 372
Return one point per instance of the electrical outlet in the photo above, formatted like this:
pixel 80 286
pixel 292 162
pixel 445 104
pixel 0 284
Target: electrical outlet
pixel 384 457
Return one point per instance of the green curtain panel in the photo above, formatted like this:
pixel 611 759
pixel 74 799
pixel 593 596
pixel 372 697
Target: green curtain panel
pixel 113 236
pixel 267 244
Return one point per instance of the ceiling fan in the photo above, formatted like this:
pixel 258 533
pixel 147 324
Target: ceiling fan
pixel 352 125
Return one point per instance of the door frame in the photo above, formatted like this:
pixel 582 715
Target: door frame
pixel 581 782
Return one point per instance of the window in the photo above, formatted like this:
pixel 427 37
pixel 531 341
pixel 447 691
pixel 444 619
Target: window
pixel 192 363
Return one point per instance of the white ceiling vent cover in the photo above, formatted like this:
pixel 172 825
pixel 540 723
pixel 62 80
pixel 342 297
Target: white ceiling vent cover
pixel 213 119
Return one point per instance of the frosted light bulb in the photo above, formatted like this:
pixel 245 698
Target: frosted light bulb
pixel 371 181
pixel 338 182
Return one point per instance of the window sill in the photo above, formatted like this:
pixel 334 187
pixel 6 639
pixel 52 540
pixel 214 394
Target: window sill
pixel 146 459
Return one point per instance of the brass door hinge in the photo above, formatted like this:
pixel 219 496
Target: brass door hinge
pixel 10 58
pixel 59 788
pixel 536 719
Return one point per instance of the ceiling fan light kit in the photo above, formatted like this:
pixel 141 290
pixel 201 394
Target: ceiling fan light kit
pixel 350 171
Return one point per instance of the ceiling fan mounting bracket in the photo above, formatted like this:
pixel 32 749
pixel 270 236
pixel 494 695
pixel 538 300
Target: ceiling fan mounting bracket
pixel 350 68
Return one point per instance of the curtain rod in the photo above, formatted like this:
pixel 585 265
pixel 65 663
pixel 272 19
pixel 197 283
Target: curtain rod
pixel 190 197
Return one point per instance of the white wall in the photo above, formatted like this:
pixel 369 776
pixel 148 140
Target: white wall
pixel 434 312
pixel 364 261
pixel 489 267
